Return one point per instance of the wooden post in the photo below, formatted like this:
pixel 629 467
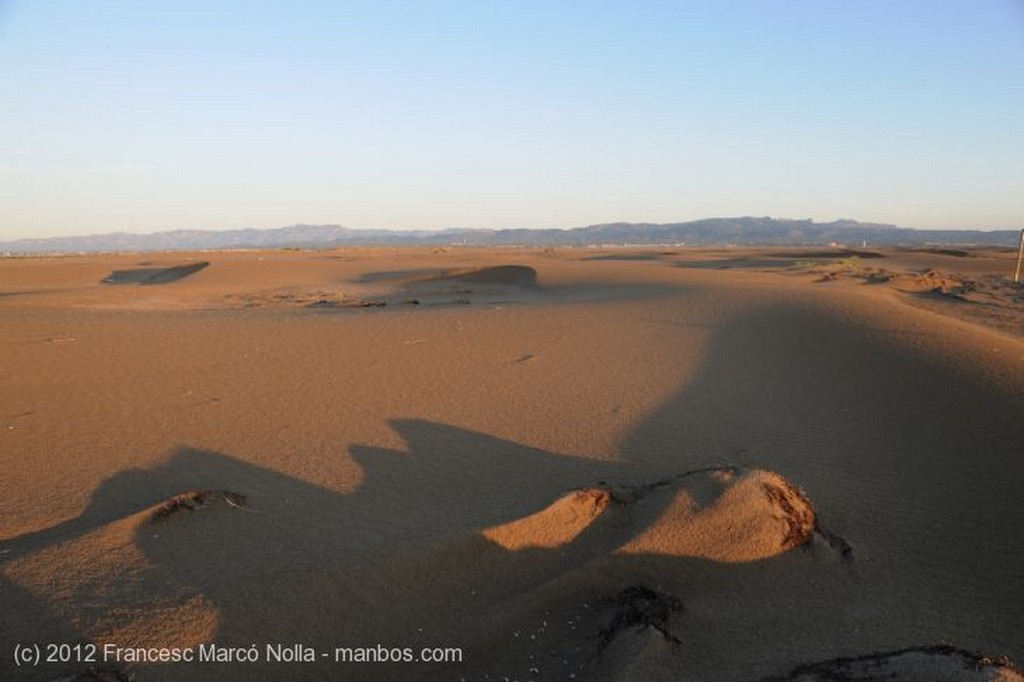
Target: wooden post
pixel 1020 255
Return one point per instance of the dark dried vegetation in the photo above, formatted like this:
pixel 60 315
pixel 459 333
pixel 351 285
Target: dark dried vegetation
pixel 198 499
pixel 871 666
pixel 797 512
pixel 640 606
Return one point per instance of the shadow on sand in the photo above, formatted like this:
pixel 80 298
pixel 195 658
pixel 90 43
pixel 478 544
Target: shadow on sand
pixel 400 561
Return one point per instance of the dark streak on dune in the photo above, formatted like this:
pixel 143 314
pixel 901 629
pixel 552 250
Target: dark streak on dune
pixel 645 256
pixel 871 666
pixel 325 303
pixel 741 263
pixel 777 259
pixel 835 541
pixel 834 253
pixel 398 275
pixel 153 275
pixel 198 499
pixel 630 494
pixel 956 253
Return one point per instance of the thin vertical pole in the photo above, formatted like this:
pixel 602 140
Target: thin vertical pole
pixel 1020 256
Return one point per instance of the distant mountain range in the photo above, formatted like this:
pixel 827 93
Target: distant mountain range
pixel 746 231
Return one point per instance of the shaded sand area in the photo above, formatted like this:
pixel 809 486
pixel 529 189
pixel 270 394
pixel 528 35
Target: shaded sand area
pixel 565 464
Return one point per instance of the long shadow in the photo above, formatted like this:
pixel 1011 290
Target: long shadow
pixel 304 564
pixel 915 460
pixel 151 276
pixel 400 560
pixel 301 563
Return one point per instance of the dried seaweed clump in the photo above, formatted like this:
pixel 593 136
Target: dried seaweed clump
pixel 641 606
pixel 911 663
pixel 198 499
pixel 796 510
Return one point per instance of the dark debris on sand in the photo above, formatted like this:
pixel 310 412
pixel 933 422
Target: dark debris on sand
pixel 872 666
pixel 198 499
pixel 641 606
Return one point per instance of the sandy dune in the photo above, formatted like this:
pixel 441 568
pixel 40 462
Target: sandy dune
pixel 635 464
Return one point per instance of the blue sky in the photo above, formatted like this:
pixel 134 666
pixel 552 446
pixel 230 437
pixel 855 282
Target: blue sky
pixel 146 116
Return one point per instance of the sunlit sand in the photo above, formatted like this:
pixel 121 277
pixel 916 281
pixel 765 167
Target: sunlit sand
pixel 592 464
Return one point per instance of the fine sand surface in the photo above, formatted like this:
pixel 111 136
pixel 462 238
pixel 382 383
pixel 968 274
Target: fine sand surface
pixel 632 464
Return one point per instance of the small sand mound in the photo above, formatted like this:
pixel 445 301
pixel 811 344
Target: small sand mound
pixel 723 514
pixel 558 524
pixel 506 275
pixel 727 517
pixel 936 282
pixel 153 275
pixel 198 499
pixel 940 663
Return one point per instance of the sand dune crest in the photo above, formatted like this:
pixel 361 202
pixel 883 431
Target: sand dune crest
pixel 756 514
pixel 508 275
pixel 556 525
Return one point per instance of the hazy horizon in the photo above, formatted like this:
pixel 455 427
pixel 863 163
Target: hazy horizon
pixel 142 232
pixel 143 118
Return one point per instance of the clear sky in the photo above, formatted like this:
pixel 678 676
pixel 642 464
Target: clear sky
pixel 146 116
